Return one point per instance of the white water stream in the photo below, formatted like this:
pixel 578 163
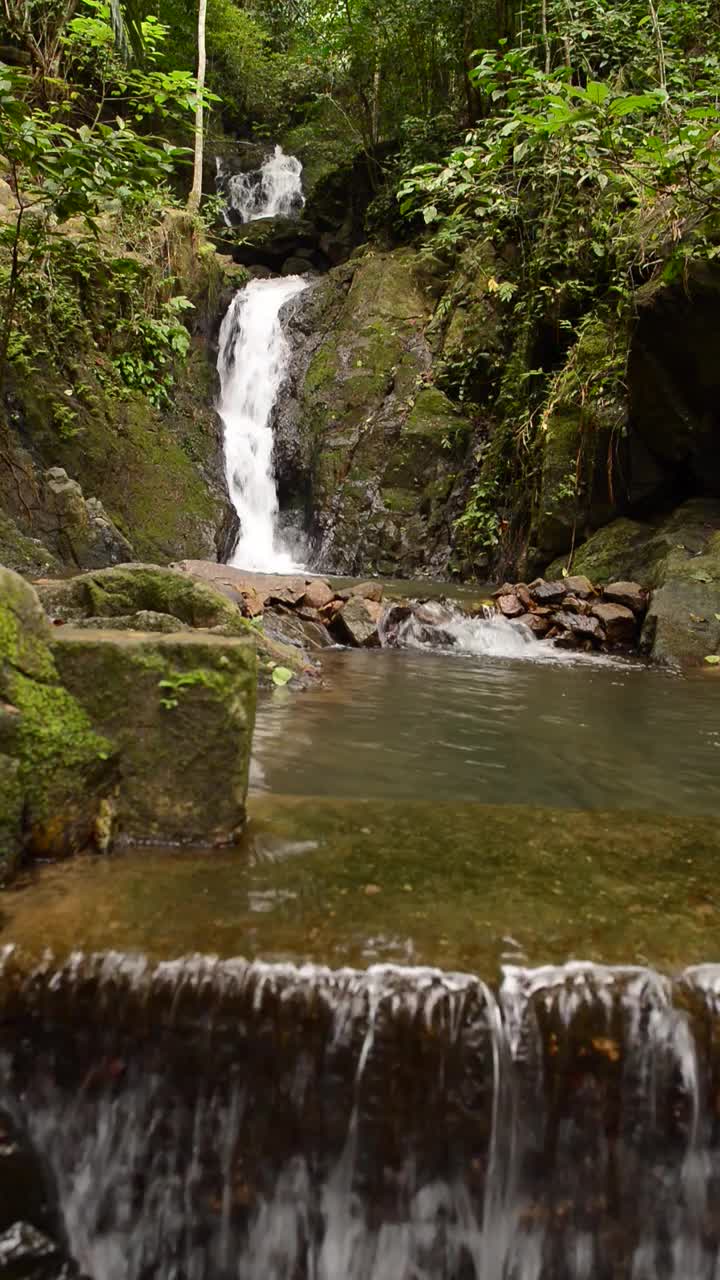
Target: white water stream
pixel 252 363
pixel 274 191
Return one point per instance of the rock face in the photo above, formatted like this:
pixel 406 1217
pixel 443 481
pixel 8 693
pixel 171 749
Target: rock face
pixel 150 476
pixel 575 495
pixel 180 710
pixel 54 768
pixel 376 443
pixel 80 528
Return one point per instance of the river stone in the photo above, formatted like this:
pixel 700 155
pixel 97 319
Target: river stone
pixel 537 624
pixel 547 592
pixel 580 626
pixel 54 770
pixel 580 586
pixel 509 606
pixel 620 623
pixel 629 594
pixel 357 622
pixel 180 710
pixel 368 590
pixel 318 594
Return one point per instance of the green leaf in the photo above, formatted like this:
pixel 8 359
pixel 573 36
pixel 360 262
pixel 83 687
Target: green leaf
pixel 597 91
pixel 713 659
pixel 281 676
pixel 635 102
pixel 701 576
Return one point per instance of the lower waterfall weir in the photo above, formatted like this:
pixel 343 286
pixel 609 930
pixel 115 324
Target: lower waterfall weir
pixel 224 1120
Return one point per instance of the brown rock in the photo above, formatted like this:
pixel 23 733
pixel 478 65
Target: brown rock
pixel 318 594
pixel 507 589
pixel 289 595
pixel 580 586
pixel 509 606
pixel 544 592
pixel 581 627
pixel 537 624
pixel 251 603
pixel 368 591
pixel 619 623
pixel 629 594
pixel 524 596
pixel 571 604
pixel 357 622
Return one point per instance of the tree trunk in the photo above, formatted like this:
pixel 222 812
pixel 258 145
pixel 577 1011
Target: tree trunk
pixel 196 190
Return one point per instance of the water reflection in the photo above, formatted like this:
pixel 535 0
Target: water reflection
pixel 419 725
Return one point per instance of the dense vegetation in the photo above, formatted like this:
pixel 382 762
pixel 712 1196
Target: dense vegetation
pixel 576 139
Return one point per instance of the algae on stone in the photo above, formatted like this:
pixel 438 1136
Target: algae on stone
pixel 55 767
pixel 180 710
pixel 384 441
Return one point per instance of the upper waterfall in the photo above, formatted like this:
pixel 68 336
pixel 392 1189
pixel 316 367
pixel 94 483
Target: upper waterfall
pixel 275 190
pixel 252 361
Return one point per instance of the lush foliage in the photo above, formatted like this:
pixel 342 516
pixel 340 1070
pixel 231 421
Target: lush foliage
pixel 597 163
pixel 83 154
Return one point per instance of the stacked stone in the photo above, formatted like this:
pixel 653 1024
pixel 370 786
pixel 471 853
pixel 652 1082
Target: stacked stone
pixel 574 613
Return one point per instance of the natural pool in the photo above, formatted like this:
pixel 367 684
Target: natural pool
pixel 454 1050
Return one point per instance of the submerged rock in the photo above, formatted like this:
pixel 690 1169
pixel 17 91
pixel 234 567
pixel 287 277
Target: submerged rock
pixel 180 710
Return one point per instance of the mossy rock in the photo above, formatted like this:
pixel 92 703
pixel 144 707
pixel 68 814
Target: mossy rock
pixel 583 427
pixel 619 551
pixel 384 439
pixel 156 471
pixel 24 555
pixel 54 765
pixel 123 591
pixel 180 710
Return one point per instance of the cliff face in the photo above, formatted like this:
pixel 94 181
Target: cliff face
pixel 109 444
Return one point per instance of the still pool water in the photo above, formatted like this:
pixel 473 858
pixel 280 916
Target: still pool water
pixel 419 725
pixel 425 808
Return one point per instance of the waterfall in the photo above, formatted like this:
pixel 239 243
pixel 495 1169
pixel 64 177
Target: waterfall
pixel 252 362
pixel 221 1120
pixel 274 191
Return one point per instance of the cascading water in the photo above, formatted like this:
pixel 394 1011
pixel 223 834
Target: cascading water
pixel 274 191
pixel 209 1120
pixel 252 362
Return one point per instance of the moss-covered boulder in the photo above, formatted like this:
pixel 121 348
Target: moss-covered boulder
pixel 683 620
pixel 383 441
pixel 54 768
pixel 620 550
pixel 127 593
pixel 180 710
